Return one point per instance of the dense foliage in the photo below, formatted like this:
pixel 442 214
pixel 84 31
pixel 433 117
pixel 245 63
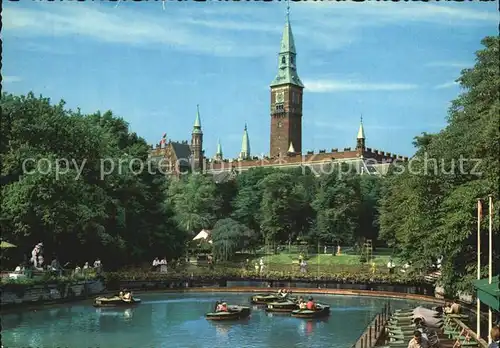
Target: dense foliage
pixel 73 182
pixel 100 204
pixel 364 277
pixel 429 210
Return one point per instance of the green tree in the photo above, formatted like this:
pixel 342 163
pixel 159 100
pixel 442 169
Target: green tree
pixel 370 193
pixel 228 237
pixel 430 210
pixel 194 201
pixel 91 197
pixel 283 199
pixel 246 204
pixel 337 204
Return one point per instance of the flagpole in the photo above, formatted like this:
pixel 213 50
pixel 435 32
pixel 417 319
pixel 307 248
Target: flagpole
pixel 490 261
pixel 478 303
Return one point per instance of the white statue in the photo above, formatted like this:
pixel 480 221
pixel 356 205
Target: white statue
pixel 36 255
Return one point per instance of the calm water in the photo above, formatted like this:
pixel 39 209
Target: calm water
pixel 177 320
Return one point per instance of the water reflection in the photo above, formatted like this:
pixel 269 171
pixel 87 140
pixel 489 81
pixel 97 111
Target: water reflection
pixel 126 313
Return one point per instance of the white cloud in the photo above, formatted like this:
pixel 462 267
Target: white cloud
pixel 383 12
pixel 11 79
pixel 214 29
pixel 462 65
pixel 325 86
pixel 446 85
pixel 124 26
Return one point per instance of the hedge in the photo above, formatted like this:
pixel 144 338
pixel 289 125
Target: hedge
pixel 7 284
pixel 239 274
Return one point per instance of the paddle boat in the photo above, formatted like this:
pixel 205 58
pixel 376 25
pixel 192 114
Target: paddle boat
pixel 115 301
pixel 282 307
pixel 321 311
pixel 233 313
pixel 264 299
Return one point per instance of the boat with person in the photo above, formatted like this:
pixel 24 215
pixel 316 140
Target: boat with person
pixel 232 313
pixel 320 311
pixel 266 298
pixel 123 299
pixel 115 301
pixel 263 299
pixel 282 307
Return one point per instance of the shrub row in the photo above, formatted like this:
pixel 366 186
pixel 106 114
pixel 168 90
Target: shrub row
pixel 7 284
pixel 239 274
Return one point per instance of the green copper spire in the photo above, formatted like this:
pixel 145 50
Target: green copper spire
pixel 219 149
pixel 287 69
pixel 245 145
pixel 197 122
pixel 361 130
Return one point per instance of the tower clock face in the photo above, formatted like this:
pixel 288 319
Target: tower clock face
pixel 280 97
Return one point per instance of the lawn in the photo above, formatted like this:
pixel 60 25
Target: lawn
pixel 322 259
pixel 349 261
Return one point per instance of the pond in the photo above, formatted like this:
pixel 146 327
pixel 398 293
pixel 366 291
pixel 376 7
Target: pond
pixel 177 320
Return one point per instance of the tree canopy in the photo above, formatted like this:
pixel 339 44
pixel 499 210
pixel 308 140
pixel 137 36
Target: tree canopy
pixel 429 210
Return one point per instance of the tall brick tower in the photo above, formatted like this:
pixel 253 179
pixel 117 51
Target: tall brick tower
pixel 286 99
pixel 197 143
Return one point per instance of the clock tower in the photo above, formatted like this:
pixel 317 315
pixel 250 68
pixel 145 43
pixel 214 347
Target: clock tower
pixel 286 99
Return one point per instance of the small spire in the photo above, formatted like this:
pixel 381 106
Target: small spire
pixel 361 131
pixel 287 10
pixel 291 149
pixel 197 121
pixel 245 145
pixel 219 148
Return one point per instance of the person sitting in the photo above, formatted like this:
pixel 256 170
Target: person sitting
pixel 127 296
pixel 217 304
pixel 284 293
pixel 495 337
pixel 310 304
pixel 302 304
pixel 222 307
pixel 120 294
pixel 454 308
pixel 279 292
pixel 418 341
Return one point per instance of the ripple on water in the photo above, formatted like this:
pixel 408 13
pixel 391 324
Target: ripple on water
pixel 177 321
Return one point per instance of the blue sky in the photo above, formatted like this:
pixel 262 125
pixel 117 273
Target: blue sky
pixel 395 63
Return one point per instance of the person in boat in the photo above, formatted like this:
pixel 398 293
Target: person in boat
pixel 302 304
pixel 310 304
pixel 127 295
pixel 217 304
pixel 222 307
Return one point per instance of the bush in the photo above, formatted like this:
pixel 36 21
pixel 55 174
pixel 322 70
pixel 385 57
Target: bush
pixel 241 274
pixel 7 284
